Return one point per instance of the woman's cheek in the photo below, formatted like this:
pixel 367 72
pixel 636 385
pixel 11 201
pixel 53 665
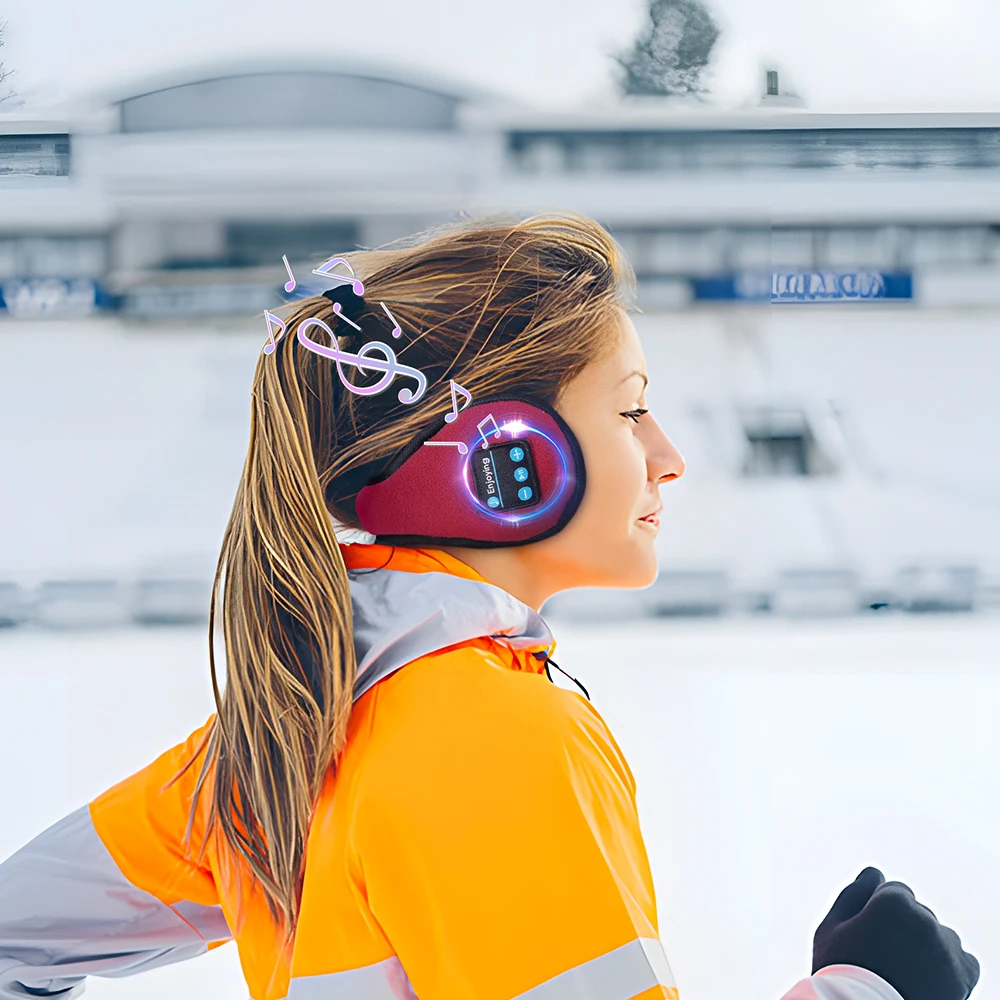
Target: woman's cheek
pixel 628 483
pixel 636 473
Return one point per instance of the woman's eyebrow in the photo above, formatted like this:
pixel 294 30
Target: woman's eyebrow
pixel 642 375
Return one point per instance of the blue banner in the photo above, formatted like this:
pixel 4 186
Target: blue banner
pixel 42 297
pixel 803 286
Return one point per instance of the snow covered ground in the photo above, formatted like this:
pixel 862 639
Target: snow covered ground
pixel 774 761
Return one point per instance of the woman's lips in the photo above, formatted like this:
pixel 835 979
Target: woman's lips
pixel 653 517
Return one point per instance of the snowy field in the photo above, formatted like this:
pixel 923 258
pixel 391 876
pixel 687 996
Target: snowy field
pixel 774 761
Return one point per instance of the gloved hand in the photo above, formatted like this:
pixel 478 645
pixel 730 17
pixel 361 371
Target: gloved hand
pixel 880 926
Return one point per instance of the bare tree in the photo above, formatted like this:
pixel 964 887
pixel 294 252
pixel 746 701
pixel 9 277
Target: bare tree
pixel 671 54
pixel 4 72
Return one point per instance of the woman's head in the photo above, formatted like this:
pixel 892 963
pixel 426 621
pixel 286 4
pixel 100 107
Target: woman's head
pixel 537 308
pixel 610 540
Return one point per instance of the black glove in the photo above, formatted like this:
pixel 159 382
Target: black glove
pixel 880 926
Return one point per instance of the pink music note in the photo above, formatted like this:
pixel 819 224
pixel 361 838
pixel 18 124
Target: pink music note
pixel 479 427
pixel 346 319
pixel 269 319
pixel 289 285
pixel 462 448
pixel 396 329
pixel 325 269
pixel 453 416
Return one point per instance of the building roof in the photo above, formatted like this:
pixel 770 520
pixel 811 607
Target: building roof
pixel 272 63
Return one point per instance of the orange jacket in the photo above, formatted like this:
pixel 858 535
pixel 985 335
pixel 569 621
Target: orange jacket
pixel 479 838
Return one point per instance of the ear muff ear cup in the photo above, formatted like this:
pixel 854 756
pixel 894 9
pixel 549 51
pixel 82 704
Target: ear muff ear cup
pixel 520 479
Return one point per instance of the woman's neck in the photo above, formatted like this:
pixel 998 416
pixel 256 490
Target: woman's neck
pixel 508 569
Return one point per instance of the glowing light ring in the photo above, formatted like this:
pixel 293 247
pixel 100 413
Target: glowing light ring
pixel 506 517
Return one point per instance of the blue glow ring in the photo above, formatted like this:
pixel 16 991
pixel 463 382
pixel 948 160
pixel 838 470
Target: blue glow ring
pixel 508 518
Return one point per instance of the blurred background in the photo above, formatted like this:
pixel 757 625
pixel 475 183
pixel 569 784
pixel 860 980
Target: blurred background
pixel 811 685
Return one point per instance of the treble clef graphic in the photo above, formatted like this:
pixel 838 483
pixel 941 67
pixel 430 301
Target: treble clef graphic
pixel 388 365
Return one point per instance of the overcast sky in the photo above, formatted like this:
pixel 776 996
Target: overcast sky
pixel 853 54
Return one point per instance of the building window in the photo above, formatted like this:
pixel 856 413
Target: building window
pixel 8 259
pixel 685 251
pixel 946 245
pixel 993 244
pixel 189 244
pixel 793 248
pixel 35 155
pixel 749 248
pixel 869 149
pixel 255 244
pixel 858 247
pixel 53 257
pixel 543 156
pixel 781 453
pixel 598 156
pixel 633 243
pixel 780 442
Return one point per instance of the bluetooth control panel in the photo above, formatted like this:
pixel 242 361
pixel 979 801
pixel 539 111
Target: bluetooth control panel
pixel 505 476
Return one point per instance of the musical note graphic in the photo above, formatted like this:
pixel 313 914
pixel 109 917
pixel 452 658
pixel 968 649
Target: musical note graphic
pixel 396 329
pixel 325 269
pixel 340 315
pixel 270 318
pixel 486 420
pixel 289 285
pixel 387 365
pixel 463 449
pixel 453 416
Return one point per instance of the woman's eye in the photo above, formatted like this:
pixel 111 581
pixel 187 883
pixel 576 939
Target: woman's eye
pixel 634 414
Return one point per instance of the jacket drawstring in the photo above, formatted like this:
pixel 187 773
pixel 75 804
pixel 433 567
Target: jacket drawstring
pixel 543 655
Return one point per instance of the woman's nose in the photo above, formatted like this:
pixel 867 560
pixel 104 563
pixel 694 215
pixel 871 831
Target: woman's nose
pixel 663 460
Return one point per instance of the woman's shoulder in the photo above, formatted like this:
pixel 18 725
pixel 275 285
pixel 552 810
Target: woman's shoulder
pixel 464 709
pixel 459 741
pixel 476 682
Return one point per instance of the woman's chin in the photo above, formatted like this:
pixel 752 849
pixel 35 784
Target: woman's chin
pixel 628 562
pixel 648 574
pixel 638 567
pixel 648 566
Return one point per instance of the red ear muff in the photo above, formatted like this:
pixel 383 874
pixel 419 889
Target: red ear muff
pixel 505 472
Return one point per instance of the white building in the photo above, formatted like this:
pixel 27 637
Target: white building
pixel 830 446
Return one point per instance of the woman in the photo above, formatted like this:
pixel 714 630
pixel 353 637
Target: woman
pixel 393 800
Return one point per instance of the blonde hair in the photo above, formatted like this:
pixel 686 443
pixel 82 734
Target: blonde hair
pixel 499 306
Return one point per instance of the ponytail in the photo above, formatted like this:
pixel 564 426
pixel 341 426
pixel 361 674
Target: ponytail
pixel 290 664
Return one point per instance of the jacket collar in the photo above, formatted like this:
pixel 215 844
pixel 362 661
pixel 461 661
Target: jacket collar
pixel 407 603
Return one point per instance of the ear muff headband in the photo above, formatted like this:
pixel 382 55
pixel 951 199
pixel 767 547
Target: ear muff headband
pixel 521 479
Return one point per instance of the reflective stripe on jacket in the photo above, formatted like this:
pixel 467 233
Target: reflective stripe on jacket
pixel 479 838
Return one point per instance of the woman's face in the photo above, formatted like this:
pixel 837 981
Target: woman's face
pixel 610 540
